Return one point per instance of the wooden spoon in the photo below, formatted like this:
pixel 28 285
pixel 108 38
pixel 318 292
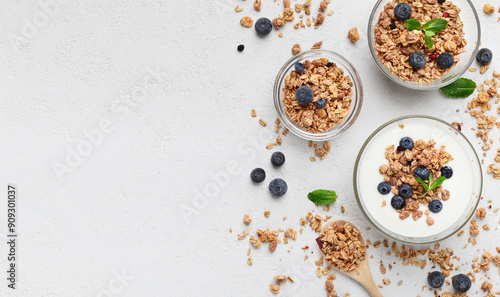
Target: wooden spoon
pixel 361 274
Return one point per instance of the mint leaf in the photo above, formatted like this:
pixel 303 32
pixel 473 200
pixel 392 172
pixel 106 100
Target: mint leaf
pixel 429 33
pixel 322 197
pixel 435 25
pixel 461 88
pixel 428 41
pixel 413 24
pixel 438 182
pixel 419 179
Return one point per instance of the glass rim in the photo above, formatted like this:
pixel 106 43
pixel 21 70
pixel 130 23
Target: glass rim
pixel 355 183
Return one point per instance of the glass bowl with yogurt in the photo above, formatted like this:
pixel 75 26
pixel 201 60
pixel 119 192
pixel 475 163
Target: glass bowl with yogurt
pixel 465 186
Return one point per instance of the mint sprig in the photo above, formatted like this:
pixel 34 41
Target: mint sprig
pixel 461 88
pixel 432 185
pixel 430 28
pixel 322 197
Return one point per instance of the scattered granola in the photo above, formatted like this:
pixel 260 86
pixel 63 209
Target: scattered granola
pixel 296 49
pixel 394 43
pixel 342 247
pixel 246 219
pixel 353 35
pixel 246 21
pixel 327 81
pixel 488 9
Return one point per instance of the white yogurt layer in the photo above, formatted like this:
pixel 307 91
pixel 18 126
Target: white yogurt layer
pixel 460 184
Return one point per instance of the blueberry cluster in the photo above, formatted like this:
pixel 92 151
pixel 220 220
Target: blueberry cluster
pixel 461 282
pixel 405 190
pixel 277 186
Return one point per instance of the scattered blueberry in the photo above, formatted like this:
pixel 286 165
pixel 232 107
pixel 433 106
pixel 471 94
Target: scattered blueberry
pixel 435 206
pixel 422 172
pixel 461 283
pixel 484 56
pixel 417 60
pixel 278 158
pixel 263 26
pixel 278 187
pixel 435 279
pixel 441 1
pixel 304 95
pixel 384 188
pixel 398 202
pixel 299 67
pixel 445 60
pixel 447 171
pixel 258 175
pixel 406 143
pixel 402 11
pixel 241 47
pixel 405 190
pixel 392 26
pixel 321 103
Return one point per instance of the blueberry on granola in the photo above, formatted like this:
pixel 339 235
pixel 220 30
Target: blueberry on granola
pixel 278 187
pixel 392 26
pixel 447 171
pixel 422 172
pixel 445 60
pixel 417 60
pixel 384 188
pixel 461 283
pixel 263 26
pixel 435 206
pixel 258 175
pixel 406 143
pixel 299 67
pixel 405 190
pixel 278 158
pixel 435 279
pixel 441 1
pixel 304 95
pixel 402 11
pixel 398 202
pixel 321 103
pixel 484 56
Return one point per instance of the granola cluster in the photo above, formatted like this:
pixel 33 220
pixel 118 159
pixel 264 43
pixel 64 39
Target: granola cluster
pixel 327 81
pixel 401 168
pixel 342 247
pixel 394 42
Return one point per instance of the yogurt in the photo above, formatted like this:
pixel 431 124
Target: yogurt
pixel 460 184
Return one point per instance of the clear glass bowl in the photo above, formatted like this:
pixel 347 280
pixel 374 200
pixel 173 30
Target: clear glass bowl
pixel 472 30
pixel 469 208
pixel 357 97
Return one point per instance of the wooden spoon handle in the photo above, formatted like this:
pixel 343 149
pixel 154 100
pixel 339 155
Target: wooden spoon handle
pixel 371 287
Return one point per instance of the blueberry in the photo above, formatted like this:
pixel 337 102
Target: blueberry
pixel 435 279
pixel 405 190
pixel 435 206
pixel 441 1
pixel 304 95
pixel 384 188
pixel 258 175
pixel 484 56
pixel 406 143
pixel 392 26
pixel 422 172
pixel 299 67
pixel 447 171
pixel 461 283
pixel 263 26
pixel 417 60
pixel 445 60
pixel 278 187
pixel 321 103
pixel 277 158
pixel 402 11
pixel 241 47
pixel 398 202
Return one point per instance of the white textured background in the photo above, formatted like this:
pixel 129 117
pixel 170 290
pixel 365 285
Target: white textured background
pixel 111 224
